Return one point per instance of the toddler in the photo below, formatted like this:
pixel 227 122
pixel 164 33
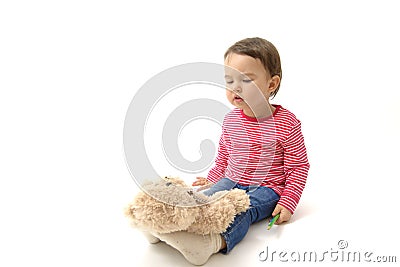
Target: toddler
pixel 261 151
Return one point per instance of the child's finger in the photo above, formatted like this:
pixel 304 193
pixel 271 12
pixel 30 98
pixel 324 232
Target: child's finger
pixel 284 217
pixel 276 211
pixel 279 221
pixel 199 181
pixel 195 183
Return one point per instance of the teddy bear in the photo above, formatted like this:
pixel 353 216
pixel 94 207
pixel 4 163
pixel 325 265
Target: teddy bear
pixel 169 205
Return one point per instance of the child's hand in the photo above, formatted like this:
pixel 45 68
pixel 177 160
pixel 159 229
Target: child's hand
pixel 200 181
pixel 285 214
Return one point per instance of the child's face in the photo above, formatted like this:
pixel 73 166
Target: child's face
pixel 245 78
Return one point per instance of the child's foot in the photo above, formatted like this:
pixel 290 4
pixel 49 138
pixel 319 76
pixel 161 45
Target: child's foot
pixel 197 249
pixel 151 238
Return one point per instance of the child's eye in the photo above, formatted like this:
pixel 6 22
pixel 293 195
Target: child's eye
pixel 229 82
pixel 247 81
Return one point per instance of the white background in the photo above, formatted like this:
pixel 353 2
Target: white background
pixel 69 69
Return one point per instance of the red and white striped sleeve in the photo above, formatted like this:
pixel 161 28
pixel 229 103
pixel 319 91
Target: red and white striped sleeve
pixel 221 161
pixel 296 168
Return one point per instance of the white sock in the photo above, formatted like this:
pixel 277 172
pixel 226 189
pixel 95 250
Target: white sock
pixel 197 249
pixel 151 238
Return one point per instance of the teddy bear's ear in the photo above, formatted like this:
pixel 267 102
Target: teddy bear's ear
pixel 219 213
pixel 214 217
pixel 240 199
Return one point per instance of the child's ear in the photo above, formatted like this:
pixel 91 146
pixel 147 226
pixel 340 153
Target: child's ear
pixel 273 83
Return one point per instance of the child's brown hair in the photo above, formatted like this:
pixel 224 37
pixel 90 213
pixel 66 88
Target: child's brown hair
pixel 262 49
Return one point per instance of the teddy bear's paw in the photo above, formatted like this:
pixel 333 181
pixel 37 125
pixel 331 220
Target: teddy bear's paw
pixel 196 249
pixel 240 200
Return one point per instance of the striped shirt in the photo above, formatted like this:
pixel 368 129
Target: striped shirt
pixel 268 152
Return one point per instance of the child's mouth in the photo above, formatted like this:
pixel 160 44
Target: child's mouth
pixel 238 99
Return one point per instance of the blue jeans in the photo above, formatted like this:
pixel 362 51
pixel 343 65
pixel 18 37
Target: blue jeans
pixel 262 203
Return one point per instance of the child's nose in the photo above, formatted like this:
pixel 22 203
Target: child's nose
pixel 237 88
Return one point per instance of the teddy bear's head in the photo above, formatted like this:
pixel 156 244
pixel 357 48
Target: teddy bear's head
pixel 175 192
pixel 169 205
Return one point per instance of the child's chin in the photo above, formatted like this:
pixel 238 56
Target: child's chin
pixel 238 102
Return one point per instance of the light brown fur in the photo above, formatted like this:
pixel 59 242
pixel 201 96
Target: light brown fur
pixel 169 205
